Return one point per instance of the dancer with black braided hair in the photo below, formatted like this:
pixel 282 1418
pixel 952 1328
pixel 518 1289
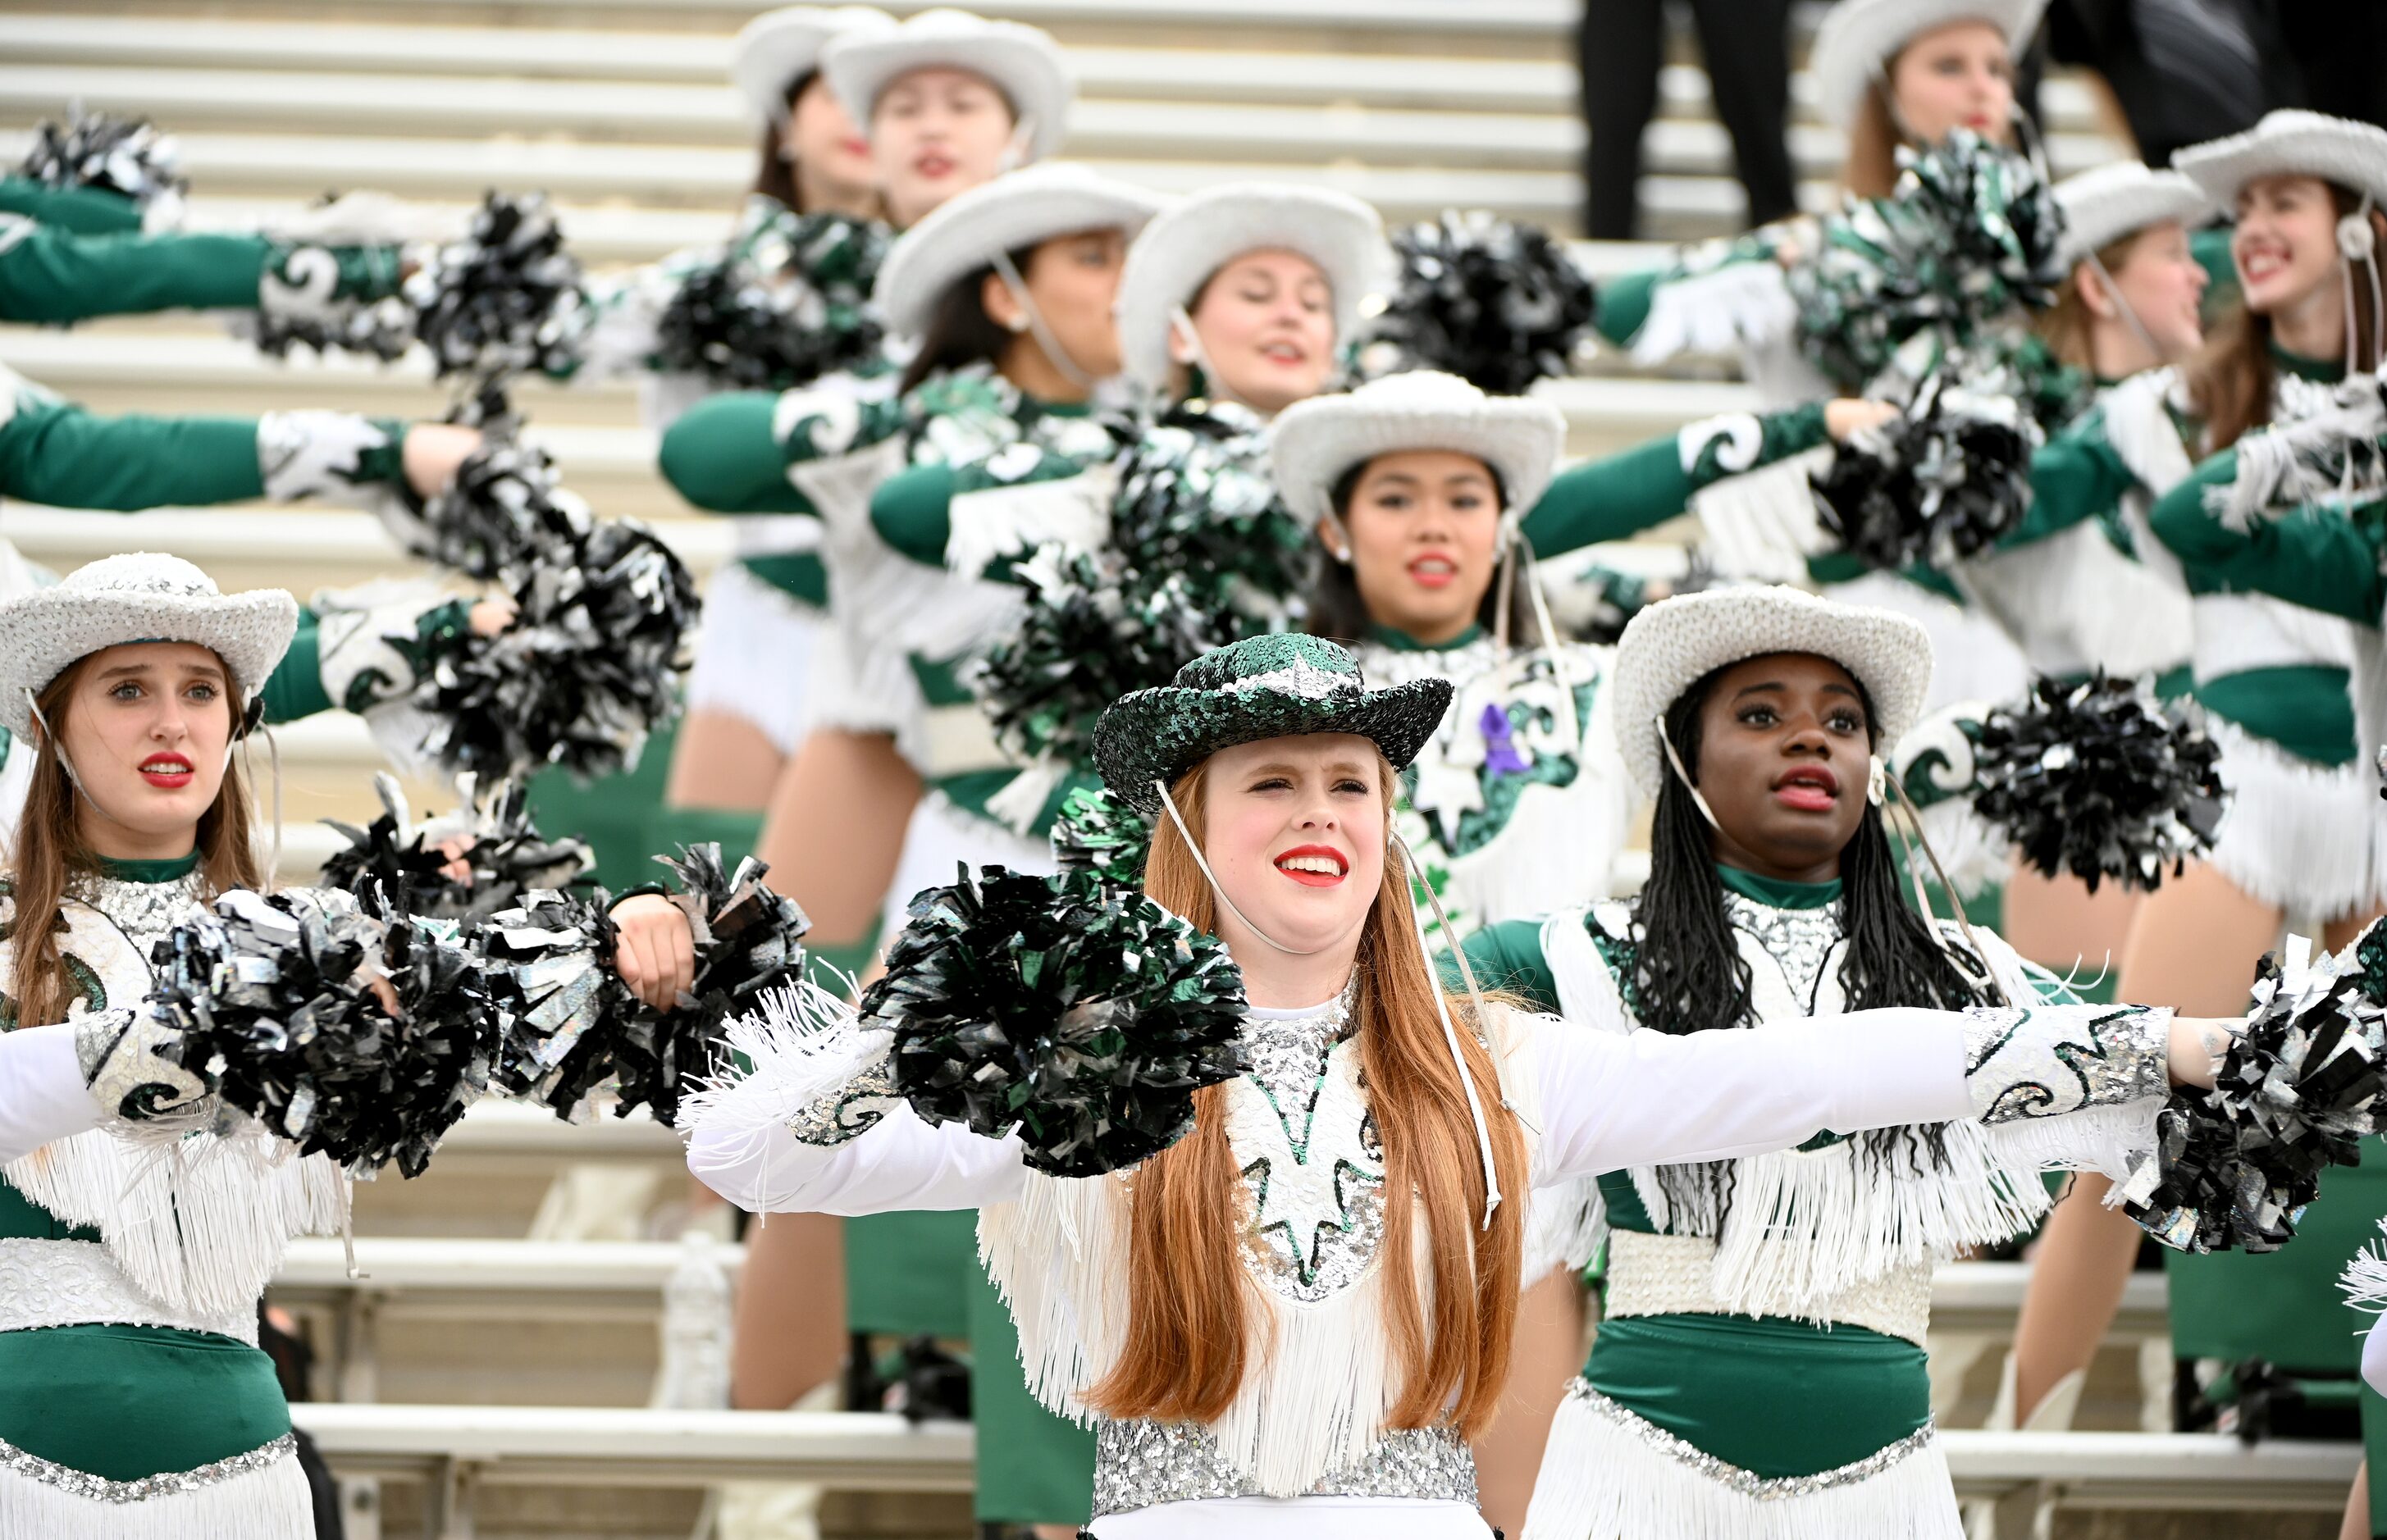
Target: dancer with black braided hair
pixel 1755 718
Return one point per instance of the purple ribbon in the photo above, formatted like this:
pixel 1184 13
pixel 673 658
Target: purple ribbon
pixel 1500 742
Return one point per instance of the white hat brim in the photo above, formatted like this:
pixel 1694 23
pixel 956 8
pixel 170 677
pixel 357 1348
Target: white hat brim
pixel 969 230
pixel 1023 62
pixel 1180 250
pixel 1313 443
pixel 43 634
pixel 2122 198
pixel 2291 142
pixel 778 48
pixel 1859 36
pixel 1673 644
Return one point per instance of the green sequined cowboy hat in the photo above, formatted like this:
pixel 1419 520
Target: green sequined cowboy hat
pixel 1257 689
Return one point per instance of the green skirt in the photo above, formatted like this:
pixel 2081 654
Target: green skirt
pixel 1033 1468
pixel 128 1402
pixel 1727 1385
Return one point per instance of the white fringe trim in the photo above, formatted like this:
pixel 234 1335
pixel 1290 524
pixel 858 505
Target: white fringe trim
pixel 2364 1279
pixel 271 1503
pixel 1743 305
pixel 2297 835
pixel 2111 1140
pixel 1805 1227
pixel 1565 1226
pixel 801 1044
pixel 199 1224
pixel 1318 1386
pixel 1607 1480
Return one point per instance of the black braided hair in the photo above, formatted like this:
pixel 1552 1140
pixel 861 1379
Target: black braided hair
pixel 1693 978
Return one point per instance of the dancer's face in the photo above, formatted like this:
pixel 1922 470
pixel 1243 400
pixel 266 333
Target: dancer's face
pixel 933 134
pixel 829 152
pixel 1073 281
pixel 145 726
pixel 2285 243
pixel 1957 76
pixel 1293 829
pixel 2164 285
pixel 1422 533
pixel 1784 747
pixel 1266 321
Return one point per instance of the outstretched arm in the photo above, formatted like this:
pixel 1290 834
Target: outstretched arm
pixel 43 1098
pixel 55 275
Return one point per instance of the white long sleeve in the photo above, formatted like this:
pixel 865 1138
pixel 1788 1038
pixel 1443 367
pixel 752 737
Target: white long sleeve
pixel 1611 1100
pixel 901 1163
pixel 2374 1357
pixel 43 1098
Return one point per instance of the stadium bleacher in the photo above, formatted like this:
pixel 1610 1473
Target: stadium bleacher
pixel 619 108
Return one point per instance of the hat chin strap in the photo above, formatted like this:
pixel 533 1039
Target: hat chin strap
pixel 2128 311
pixel 2357 243
pixel 1055 353
pixel 1017 151
pixel 1392 840
pixel 1181 326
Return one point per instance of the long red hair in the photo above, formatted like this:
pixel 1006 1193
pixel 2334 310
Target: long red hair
pixel 1191 1299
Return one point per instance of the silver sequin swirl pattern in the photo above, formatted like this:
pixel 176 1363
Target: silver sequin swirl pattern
pixel 170 1483
pixel 1140 1464
pixel 850 1111
pixel 2044 1061
pixel 143 911
pixel 1800 940
pixel 1764 1489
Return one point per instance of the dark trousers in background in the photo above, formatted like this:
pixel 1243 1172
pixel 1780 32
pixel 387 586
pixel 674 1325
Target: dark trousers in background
pixel 1746 46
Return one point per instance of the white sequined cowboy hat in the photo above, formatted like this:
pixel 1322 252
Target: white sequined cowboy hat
pixel 140 597
pixel 1675 643
pixel 2291 142
pixel 1024 63
pixel 779 48
pixel 2120 198
pixel 969 230
pixel 1858 39
pixel 1180 250
pixel 1312 444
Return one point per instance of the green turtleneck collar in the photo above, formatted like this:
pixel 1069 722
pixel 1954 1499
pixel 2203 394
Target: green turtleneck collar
pixel 170 870
pixel 2324 371
pixel 1401 641
pixel 1775 893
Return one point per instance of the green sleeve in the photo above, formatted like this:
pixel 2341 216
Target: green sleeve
pixel 2074 478
pixel 84 211
pixel 2320 558
pixel 294 689
pixel 53 275
pixel 54 452
pixel 913 511
pixel 1625 301
pixel 1507 957
pixel 721 456
pixel 1625 304
pixel 1625 494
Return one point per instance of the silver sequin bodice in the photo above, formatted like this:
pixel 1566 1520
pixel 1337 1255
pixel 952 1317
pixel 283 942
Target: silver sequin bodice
pixel 1140 1464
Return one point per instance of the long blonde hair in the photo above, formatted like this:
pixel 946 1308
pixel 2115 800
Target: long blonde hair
pixel 50 852
pixel 1190 1297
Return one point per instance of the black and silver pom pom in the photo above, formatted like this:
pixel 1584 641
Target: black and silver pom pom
pixel 779 312
pixel 2100 779
pixel 590 665
pixel 271 1000
pixel 1077 1012
pixel 486 306
pixel 572 1028
pixel 1943 481
pixel 463 867
pixel 124 156
pixel 1497 303
pixel 2294 1095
